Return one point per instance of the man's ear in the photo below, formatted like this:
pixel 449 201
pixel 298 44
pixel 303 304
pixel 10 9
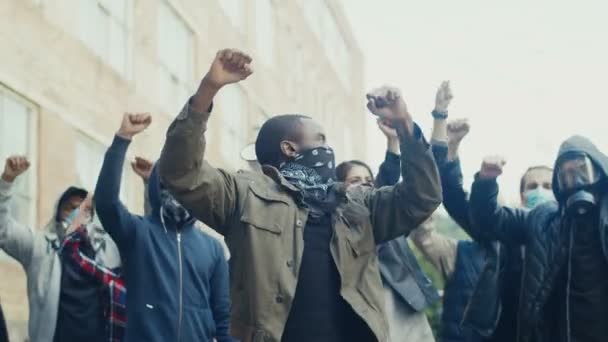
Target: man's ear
pixel 288 149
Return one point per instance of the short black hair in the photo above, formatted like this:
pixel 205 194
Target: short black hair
pixel 344 168
pixel 522 181
pixel 272 132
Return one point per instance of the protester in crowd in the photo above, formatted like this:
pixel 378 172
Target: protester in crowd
pixel 143 168
pixel 407 290
pixel 564 293
pixel 180 274
pixel 77 252
pixel 3 328
pixel 303 264
pixel 62 305
pixel 482 279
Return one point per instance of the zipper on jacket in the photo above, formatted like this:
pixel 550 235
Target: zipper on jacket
pixel 181 297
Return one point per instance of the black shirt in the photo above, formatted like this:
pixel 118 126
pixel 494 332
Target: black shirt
pixel 319 313
pixel 80 316
pixel 588 287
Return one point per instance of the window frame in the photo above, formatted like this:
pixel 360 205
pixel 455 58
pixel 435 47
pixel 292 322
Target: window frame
pixel 31 150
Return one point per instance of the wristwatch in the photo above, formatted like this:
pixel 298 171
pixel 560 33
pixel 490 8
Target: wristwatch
pixel 439 115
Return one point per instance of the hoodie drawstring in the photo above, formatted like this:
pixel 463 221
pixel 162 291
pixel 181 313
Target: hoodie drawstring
pixel 162 219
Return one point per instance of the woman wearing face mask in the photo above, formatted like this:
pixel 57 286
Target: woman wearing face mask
pixel 408 292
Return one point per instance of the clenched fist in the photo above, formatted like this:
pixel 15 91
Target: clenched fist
pixel 491 167
pixel 229 66
pixel 388 104
pixel 457 130
pixel 14 167
pixel 143 167
pixel 133 124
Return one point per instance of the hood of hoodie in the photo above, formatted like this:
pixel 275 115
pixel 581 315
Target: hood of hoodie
pixel 154 198
pixel 154 191
pixel 578 144
pixel 54 228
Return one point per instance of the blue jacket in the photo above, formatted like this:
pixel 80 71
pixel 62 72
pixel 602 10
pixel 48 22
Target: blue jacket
pixel 480 301
pixel 177 280
pixel 398 265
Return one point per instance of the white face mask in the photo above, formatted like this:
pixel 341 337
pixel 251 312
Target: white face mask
pixel 538 196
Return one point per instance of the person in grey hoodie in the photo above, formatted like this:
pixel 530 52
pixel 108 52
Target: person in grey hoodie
pixel 50 302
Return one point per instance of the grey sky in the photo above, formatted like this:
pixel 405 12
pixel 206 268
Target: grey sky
pixel 527 74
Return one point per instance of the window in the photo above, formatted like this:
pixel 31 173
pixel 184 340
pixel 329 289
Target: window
pixel 175 52
pixel 325 28
pixel 234 11
pixel 104 28
pixel 89 158
pixel 264 31
pixel 17 134
pixel 233 108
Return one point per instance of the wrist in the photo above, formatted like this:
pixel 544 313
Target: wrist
pixel 393 145
pixel 439 114
pixel 483 175
pixel 8 178
pixel 124 135
pixel 208 84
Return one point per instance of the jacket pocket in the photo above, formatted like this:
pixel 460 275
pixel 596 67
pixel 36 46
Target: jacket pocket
pixel 265 210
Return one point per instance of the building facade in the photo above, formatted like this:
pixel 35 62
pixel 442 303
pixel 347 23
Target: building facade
pixel 70 68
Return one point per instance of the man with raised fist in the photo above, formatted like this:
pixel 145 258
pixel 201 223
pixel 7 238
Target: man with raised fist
pixel 564 295
pixel 303 265
pixel 63 305
pixel 176 276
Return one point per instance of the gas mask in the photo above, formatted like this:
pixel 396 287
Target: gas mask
pixel 577 177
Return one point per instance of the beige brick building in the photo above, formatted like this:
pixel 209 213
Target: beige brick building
pixel 70 68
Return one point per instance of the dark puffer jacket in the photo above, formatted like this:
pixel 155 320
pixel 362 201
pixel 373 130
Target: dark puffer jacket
pixel 542 233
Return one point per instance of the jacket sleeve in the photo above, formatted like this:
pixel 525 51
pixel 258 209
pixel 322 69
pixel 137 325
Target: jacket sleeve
pixel 220 296
pixel 399 209
pixel 16 240
pixel 437 248
pixel 390 170
pixel 454 196
pixel 114 216
pixel 209 193
pixel 490 220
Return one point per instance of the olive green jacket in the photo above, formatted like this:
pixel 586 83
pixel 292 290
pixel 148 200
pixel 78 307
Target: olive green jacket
pixel 263 227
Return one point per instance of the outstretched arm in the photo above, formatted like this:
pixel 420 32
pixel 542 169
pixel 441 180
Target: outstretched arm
pixel 397 210
pixel 207 192
pixel 16 239
pixel 492 221
pixel 114 216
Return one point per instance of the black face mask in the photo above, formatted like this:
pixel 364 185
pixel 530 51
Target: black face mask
pixel 578 180
pixel 319 159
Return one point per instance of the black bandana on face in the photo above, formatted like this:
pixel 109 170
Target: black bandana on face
pixel 312 172
pixel 172 211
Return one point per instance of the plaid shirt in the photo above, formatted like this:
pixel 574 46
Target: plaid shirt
pixel 113 287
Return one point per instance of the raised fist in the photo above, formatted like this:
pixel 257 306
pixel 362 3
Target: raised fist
pixel 387 130
pixel 133 124
pixel 14 167
pixel 142 167
pixel 444 97
pixel 229 66
pixel 457 130
pixel 387 103
pixel 491 167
